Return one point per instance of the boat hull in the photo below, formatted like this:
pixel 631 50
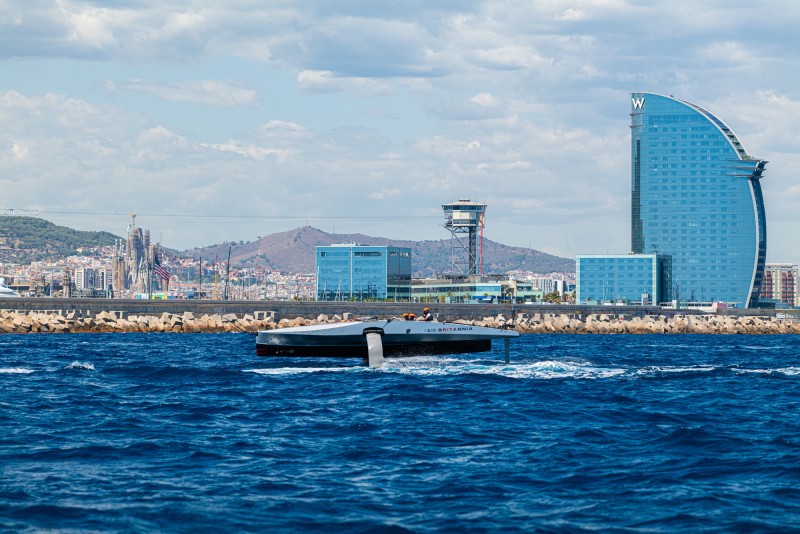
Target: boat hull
pixel 399 338
pixel 360 350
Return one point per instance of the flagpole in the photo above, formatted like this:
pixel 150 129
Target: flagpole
pixel 227 273
pixel 150 261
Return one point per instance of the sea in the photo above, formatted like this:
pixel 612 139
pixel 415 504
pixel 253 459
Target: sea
pixel 576 433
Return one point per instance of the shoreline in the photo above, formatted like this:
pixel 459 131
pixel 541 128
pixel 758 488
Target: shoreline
pixel 19 322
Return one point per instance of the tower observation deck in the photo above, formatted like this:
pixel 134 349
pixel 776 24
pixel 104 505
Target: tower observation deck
pixel 466 217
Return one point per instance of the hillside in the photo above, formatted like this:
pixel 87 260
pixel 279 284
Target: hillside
pixel 294 251
pixel 26 239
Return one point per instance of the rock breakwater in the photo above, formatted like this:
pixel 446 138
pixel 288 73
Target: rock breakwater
pixel 34 322
pixel 188 322
pixel 649 324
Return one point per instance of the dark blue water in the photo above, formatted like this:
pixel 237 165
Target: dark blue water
pixel 179 433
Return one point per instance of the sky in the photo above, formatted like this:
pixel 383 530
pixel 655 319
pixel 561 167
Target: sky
pixel 217 121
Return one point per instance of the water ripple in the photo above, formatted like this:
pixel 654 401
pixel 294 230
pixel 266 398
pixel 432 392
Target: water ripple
pixel 172 433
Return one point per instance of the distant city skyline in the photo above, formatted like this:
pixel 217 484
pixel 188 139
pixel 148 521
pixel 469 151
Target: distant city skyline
pixel 228 122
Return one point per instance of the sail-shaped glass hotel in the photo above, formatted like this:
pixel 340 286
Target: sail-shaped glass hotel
pixel 696 206
pixel 696 202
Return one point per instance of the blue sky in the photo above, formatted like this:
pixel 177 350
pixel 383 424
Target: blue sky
pixel 231 120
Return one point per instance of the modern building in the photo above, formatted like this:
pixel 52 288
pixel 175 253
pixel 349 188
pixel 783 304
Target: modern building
pixel 91 281
pixel 696 203
pixel 547 284
pixel 358 272
pixel 621 278
pixel 780 283
pixel 86 278
pixel 105 281
pixel 474 288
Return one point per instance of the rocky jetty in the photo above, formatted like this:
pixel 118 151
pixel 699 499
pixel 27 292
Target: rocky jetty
pixel 612 324
pixel 188 322
pixel 649 324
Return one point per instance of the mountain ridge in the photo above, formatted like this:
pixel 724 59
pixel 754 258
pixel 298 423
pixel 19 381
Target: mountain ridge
pixel 26 239
pixel 294 251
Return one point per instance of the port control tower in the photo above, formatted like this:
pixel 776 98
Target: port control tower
pixel 466 217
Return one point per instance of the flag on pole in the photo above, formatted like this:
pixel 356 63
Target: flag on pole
pixel 160 270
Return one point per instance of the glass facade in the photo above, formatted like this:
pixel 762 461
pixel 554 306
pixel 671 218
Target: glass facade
pixel 356 272
pixel 474 288
pixel 628 278
pixel 696 203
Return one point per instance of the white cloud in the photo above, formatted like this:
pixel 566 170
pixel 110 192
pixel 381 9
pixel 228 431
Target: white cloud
pixel 511 57
pixel 253 151
pixel 283 127
pixel 210 92
pixel 484 99
pixel 20 150
pixel 91 27
pixel 314 81
pixel 160 136
pixel 289 108
pixel 385 194
pixel 728 52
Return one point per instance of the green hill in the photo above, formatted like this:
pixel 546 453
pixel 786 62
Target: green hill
pixel 27 239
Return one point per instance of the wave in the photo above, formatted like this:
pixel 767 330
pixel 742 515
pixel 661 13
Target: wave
pixel 80 365
pixel 788 371
pixel 656 369
pixel 302 370
pixel 540 370
pixel 433 366
pixel 766 348
pixel 193 430
pixel 548 369
pixel 15 371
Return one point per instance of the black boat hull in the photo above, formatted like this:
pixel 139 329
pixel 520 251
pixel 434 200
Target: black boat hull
pixel 360 350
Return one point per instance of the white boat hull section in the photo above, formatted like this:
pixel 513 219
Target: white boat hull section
pixel 7 292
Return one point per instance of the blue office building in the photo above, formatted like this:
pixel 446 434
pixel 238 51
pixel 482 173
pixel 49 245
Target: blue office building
pixel 618 278
pixel 696 211
pixel 696 202
pixel 358 272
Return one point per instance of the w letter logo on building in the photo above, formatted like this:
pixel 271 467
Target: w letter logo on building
pixel 638 103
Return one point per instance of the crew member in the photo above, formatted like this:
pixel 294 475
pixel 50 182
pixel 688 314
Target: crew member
pixel 426 315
